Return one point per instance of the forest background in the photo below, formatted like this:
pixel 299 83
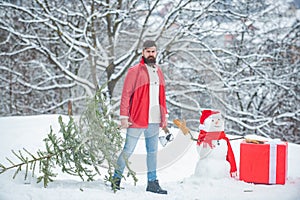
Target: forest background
pixel 237 56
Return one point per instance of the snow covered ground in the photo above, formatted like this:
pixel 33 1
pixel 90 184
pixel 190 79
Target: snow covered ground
pixel 177 164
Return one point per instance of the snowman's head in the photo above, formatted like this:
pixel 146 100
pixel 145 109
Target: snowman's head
pixel 211 121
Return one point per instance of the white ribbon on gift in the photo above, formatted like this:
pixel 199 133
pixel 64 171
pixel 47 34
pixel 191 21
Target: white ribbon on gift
pixel 273 159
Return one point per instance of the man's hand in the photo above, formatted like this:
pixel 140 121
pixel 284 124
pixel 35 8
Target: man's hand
pixel 166 130
pixel 125 123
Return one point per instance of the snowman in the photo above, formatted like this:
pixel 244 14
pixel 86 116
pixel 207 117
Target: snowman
pixel 216 158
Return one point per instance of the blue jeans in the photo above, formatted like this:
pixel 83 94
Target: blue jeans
pixel 151 140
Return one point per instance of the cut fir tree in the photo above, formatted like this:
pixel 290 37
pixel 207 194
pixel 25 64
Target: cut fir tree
pixel 79 149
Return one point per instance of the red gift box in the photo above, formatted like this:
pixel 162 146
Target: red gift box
pixel 263 163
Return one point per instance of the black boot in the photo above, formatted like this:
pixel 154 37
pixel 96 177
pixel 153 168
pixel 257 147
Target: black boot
pixel 115 184
pixel 153 186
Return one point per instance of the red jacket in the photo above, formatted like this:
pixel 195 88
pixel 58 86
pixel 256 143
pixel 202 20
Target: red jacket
pixel 135 96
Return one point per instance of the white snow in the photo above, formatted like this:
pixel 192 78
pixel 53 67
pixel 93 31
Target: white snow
pixel 177 165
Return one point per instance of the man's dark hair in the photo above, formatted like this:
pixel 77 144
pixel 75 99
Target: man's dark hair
pixel 148 44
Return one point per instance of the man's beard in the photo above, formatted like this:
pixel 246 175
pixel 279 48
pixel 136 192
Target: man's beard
pixel 150 60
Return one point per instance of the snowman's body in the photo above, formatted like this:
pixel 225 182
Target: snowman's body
pixel 212 156
pixel 212 161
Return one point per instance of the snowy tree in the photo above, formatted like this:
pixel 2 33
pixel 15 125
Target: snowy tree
pixel 240 57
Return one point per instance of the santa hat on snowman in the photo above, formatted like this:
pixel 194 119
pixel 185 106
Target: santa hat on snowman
pixel 212 128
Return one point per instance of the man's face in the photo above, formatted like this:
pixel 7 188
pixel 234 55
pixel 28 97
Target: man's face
pixel 150 54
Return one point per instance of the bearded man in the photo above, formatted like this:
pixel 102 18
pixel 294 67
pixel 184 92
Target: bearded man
pixel 143 110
